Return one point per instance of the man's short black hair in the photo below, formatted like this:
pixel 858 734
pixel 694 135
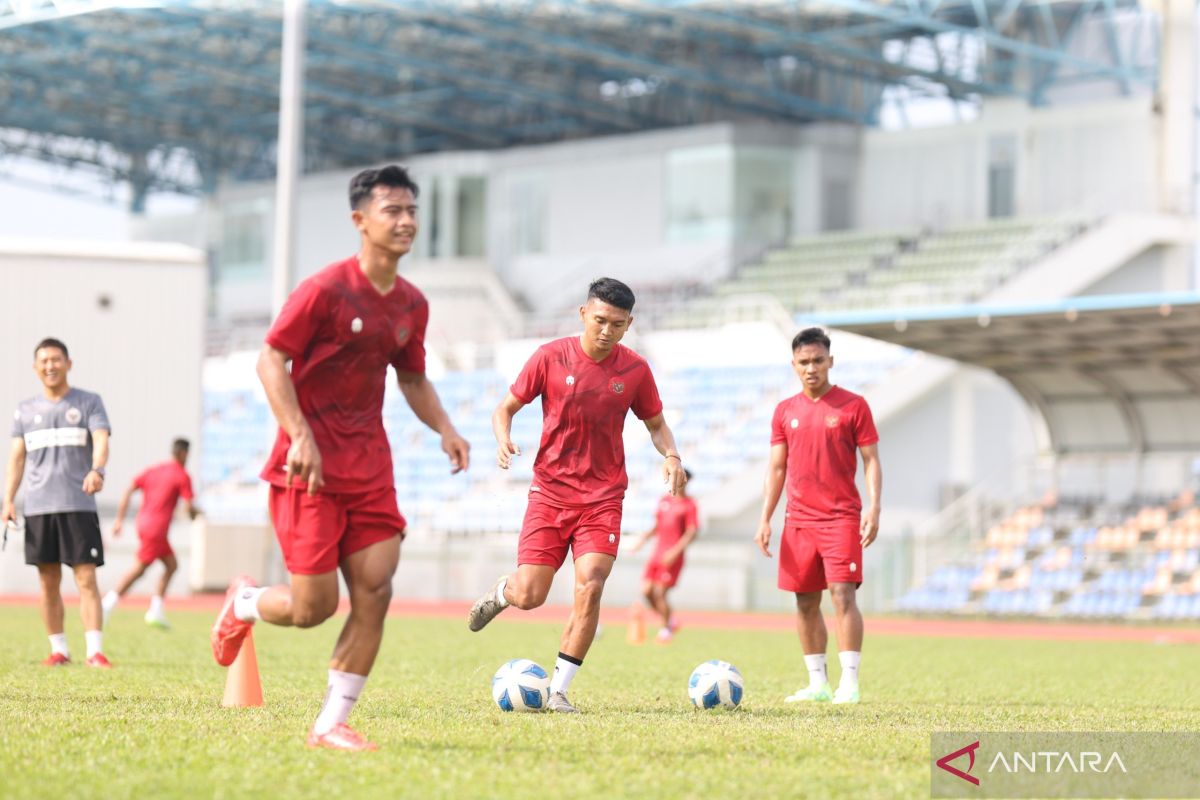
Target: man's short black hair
pixel 613 292
pixel 393 176
pixel 50 341
pixel 180 445
pixel 810 336
pixel 687 473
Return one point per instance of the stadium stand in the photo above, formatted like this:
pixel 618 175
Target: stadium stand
pixel 1077 559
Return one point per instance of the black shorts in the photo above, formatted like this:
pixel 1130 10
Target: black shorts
pixel 70 537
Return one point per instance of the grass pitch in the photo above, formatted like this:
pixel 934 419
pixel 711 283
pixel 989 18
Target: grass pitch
pixel 153 727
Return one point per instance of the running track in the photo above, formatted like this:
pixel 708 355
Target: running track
pixel 894 626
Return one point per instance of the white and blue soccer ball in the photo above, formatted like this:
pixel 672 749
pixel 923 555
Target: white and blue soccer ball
pixel 716 684
pixel 521 685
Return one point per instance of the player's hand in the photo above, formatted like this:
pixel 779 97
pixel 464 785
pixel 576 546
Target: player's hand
pixel 668 558
pixel 9 515
pixel 763 538
pixel 304 463
pixel 673 475
pixel 869 527
pixel 116 528
pixel 504 453
pixel 93 482
pixel 459 450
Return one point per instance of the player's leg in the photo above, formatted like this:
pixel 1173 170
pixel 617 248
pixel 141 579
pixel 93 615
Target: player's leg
pixel 50 581
pixel 113 597
pixel 591 572
pixel 90 611
pixel 850 637
pixel 801 572
pixel 541 550
pixel 156 614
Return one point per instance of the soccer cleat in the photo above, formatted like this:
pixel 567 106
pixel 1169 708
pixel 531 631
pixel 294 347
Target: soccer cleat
pixel 811 694
pixel 558 702
pixel 673 625
pixel 99 661
pixel 157 621
pixel 486 608
pixel 228 632
pixel 843 695
pixel 664 636
pixel 340 737
pixel 56 660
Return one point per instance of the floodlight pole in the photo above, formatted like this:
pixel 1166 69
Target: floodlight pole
pixel 289 151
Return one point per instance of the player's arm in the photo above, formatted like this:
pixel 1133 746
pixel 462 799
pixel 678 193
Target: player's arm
pixel 642 539
pixel 94 480
pixel 874 475
pixel 664 442
pixel 16 470
pixel 123 507
pixel 193 510
pixel 303 457
pixel 772 489
pixel 675 552
pixel 502 419
pixel 423 399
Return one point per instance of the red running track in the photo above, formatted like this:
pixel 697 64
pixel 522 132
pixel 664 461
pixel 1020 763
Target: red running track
pixel 892 626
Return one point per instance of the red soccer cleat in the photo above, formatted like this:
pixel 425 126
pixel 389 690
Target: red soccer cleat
pixel 98 660
pixel 56 660
pixel 228 632
pixel 340 737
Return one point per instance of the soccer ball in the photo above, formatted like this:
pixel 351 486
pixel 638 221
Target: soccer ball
pixel 521 685
pixel 715 683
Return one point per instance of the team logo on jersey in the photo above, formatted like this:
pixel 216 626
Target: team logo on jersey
pixel 831 421
pixel 401 333
pixel 618 386
pixel 612 537
pixel 570 380
pixel 356 325
pixel 73 416
pixel 795 423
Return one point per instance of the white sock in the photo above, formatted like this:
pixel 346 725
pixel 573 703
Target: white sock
pixel 817 675
pixel 156 606
pixel 500 598
pixel 95 642
pixel 564 671
pixel 245 605
pixel 849 659
pixel 110 600
pixel 340 697
pixel 58 644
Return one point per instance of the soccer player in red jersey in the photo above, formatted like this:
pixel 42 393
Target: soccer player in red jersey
pixel 816 437
pixel 676 521
pixel 162 485
pixel 332 495
pixel 588 384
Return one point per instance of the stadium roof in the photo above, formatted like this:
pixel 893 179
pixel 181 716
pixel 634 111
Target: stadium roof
pixel 1107 374
pixel 176 94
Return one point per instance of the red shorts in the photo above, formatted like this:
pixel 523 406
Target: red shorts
pixel 153 545
pixel 549 530
pixel 655 572
pixel 316 532
pixel 812 558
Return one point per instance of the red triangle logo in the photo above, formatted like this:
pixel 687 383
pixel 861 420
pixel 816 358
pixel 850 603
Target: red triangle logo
pixel 969 750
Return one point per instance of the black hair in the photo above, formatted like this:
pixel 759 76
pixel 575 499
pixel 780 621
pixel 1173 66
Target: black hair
pixel 180 444
pixel 393 176
pixel 50 341
pixel 810 336
pixel 613 292
pixel 687 473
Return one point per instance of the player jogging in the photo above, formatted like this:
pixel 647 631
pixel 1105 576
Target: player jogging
pixel 162 486
pixel 815 440
pixel 588 384
pixel 676 521
pixel 332 496
pixel 59 448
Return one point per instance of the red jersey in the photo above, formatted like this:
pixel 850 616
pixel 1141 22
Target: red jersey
pixel 675 515
pixel 162 485
pixel 581 458
pixel 822 438
pixel 341 334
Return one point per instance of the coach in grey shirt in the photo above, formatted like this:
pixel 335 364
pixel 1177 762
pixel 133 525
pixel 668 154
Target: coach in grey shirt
pixel 59 448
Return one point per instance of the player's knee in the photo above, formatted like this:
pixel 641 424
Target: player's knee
pixel 844 597
pixel 378 596
pixel 808 604
pixel 590 589
pixel 311 615
pixel 526 597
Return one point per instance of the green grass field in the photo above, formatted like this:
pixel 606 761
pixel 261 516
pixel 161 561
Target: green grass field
pixel 153 727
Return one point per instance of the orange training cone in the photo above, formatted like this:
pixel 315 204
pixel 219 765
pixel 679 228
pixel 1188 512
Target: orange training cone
pixel 636 633
pixel 242 686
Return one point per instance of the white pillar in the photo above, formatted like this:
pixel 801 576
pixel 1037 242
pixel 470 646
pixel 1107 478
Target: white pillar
pixel 1177 100
pixel 289 153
